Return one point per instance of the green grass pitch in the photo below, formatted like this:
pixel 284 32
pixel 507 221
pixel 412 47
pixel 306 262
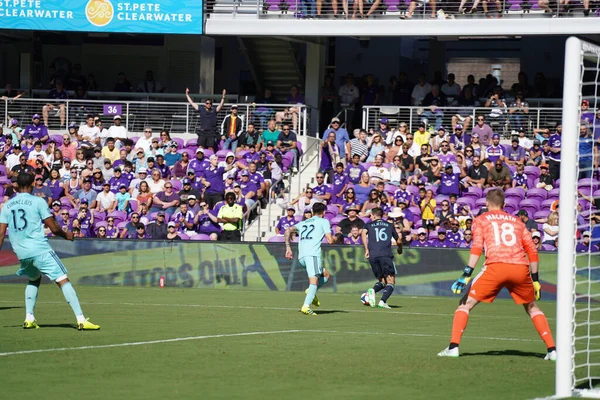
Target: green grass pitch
pixel 225 344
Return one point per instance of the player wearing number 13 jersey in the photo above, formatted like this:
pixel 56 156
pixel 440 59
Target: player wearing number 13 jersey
pixel 511 263
pixel 24 216
pixel 311 232
pixel 377 238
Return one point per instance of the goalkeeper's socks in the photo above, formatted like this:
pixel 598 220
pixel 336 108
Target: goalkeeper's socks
pixel 452 346
pixel 322 280
pixel 71 297
pixel 310 295
pixel 31 294
pixel 378 286
pixel 461 318
pixel 543 329
pixel 387 292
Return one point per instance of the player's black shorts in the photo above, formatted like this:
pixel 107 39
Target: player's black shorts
pixel 382 266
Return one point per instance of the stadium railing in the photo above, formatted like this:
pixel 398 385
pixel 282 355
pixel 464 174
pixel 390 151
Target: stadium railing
pixel 177 117
pixel 537 117
pixel 301 9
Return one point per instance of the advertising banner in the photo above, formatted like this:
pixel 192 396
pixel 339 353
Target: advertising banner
pixel 421 272
pixel 132 16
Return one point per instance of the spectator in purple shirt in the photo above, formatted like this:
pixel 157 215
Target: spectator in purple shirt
pixel 166 200
pixel 460 140
pixel 454 235
pixel 59 94
pixel 38 131
pixel 449 181
pixel 495 151
pixel 516 154
pixel 585 245
pixel 483 130
pixel 445 156
pixel 442 240
pixel 354 237
pixel 205 225
pixel 354 170
pixel 286 222
pixel 213 180
pixel 340 184
pixel 183 219
pixel 117 180
pixel 467 242
pixel 287 142
pixel 520 178
pixel 402 194
pixel 330 156
pixel 421 239
pixel 249 189
pixel 200 163
pixel 322 191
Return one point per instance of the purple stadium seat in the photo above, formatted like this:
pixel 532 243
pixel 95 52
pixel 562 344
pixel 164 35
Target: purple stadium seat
pixel 473 192
pixel 589 183
pixel 134 204
pixel 432 235
pixel 121 225
pixel 530 205
pixel 177 185
pixel 208 153
pixel 193 142
pixel 480 203
pixel 514 5
pixel 200 236
pixel 240 154
pixel 546 204
pixel 585 190
pixel 299 147
pixel 433 188
pixel 439 198
pixel 333 209
pixel 58 139
pixel 469 201
pixel 393 5
pixel 287 163
pixel 366 220
pixel 418 223
pixel 73 212
pixel 486 190
pixel 548 247
pixel 516 193
pixel 65 203
pixel 511 205
pixel 596 194
pixel 532 170
pixel 390 189
pixel 99 216
pixel 276 239
pixel 536 193
pixel 557 183
pixel 585 205
pixel 512 169
pixel 329 215
pixel 222 154
pixel 541 214
pixel 183 236
pixel 554 194
pixel 416 211
pixel 135 139
pixel 413 189
pixel 367 165
pixel 119 216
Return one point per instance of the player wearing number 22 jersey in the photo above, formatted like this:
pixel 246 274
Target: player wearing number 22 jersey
pixel 24 216
pixel 511 262
pixel 312 232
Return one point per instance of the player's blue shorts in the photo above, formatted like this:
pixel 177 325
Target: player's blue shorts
pixel 48 264
pixel 313 265
pixel 383 266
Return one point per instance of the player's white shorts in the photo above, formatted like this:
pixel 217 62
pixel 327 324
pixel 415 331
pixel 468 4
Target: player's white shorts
pixel 313 265
pixel 48 264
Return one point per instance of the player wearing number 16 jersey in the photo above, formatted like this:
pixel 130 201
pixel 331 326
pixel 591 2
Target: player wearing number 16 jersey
pixel 312 231
pixel 23 215
pixel 377 238
pixel 511 262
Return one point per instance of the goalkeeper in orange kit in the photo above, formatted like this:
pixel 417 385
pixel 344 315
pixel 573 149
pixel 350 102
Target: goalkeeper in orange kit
pixel 511 262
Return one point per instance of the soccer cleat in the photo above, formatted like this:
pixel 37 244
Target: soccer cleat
pixel 382 304
pixel 371 296
pixel 447 352
pixel 315 301
pixel 87 326
pixel 30 325
pixel 307 311
pixel 551 356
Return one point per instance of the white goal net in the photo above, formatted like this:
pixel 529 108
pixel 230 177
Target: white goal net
pixel 578 281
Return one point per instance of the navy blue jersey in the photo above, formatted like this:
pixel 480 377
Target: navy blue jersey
pixel 380 238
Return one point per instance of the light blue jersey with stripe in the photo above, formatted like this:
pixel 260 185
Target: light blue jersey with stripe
pixel 24 215
pixel 312 231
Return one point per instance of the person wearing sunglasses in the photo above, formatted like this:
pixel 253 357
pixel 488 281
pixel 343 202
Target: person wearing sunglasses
pixel 101 233
pixel 421 239
pixel 145 142
pixel 207 135
pixel 467 241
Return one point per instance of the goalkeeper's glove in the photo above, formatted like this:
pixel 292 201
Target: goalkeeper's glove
pixel 537 288
pixel 463 281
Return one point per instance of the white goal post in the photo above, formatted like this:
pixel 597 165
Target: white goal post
pixel 578 294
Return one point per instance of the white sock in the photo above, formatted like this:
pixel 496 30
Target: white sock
pixel 80 319
pixel 29 317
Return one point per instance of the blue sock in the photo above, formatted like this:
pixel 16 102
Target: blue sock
pixel 71 297
pixel 387 292
pixel 322 280
pixel 378 286
pixel 310 295
pixel 31 294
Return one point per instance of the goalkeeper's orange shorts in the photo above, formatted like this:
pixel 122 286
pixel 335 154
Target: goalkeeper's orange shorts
pixel 493 277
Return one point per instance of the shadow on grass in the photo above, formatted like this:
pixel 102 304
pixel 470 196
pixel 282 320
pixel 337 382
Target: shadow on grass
pixel 66 326
pixel 10 308
pixel 394 306
pixel 594 384
pixel 323 312
pixel 516 353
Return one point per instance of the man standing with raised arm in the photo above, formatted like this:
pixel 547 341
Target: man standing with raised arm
pixel 208 137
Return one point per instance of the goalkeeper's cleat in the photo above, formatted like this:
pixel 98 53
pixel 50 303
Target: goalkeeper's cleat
pixel 371 297
pixel 551 356
pixel 307 311
pixel 87 326
pixel 30 325
pixel 315 301
pixel 383 304
pixel 447 352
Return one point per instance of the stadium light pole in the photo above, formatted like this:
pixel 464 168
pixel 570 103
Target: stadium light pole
pixel 567 218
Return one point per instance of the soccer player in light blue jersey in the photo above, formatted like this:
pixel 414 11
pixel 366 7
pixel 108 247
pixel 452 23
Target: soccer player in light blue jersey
pixel 311 231
pixel 24 216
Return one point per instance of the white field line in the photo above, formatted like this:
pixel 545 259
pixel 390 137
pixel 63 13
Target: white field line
pixel 182 339
pixel 478 315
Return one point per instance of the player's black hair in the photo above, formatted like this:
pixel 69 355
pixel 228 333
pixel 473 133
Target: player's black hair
pixel 318 209
pixel 25 180
pixel 377 212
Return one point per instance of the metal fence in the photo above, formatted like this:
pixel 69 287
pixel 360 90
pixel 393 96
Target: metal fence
pixel 503 122
pixel 359 9
pixel 177 117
